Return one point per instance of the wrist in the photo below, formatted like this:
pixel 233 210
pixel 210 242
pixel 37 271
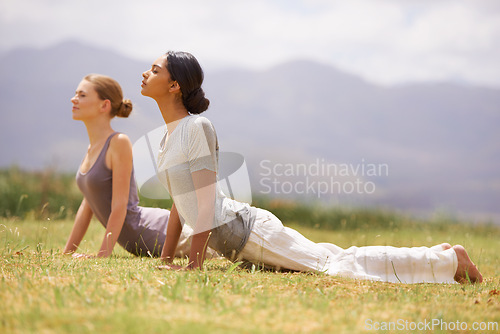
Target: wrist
pixel 103 253
pixel 195 264
pixel 68 251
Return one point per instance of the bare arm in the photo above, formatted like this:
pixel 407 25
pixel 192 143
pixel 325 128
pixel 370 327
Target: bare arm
pixel 204 184
pixel 82 221
pixel 174 229
pixel 120 162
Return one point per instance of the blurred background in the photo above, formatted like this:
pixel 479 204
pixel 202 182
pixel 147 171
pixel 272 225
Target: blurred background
pixel 412 86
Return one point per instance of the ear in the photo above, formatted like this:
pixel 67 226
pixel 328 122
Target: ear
pixel 174 87
pixel 106 106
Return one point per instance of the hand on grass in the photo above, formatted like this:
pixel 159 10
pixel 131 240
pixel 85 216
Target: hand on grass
pixel 82 256
pixel 174 267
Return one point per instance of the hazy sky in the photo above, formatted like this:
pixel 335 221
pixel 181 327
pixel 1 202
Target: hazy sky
pixel 386 41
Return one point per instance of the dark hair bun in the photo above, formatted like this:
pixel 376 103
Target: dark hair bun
pixel 125 108
pixel 185 69
pixel 196 102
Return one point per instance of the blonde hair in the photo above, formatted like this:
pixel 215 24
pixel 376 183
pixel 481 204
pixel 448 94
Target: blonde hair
pixel 109 89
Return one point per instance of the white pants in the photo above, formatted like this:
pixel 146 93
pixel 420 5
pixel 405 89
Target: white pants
pixel 274 245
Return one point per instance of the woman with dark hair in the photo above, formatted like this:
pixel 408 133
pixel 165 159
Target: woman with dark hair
pixel 106 178
pixel 188 167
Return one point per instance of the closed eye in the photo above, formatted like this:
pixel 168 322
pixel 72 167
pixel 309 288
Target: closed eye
pixel 80 93
pixel 155 68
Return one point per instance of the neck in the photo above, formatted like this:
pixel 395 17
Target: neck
pixel 98 130
pixel 172 110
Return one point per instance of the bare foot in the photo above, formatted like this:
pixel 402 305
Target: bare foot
pixel 466 270
pixel 446 246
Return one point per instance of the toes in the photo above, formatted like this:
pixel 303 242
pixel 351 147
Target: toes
pixel 445 246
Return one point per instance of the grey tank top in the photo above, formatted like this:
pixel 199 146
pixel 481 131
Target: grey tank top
pixel 144 229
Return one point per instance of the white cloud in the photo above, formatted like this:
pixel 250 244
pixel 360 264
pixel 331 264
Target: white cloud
pixel 387 41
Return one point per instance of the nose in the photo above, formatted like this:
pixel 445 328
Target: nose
pixel 145 74
pixel 73 99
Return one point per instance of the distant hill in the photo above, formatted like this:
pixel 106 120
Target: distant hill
pixel 440 141
pixel 36 88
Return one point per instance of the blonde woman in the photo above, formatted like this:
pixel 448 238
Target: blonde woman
pixel 106 178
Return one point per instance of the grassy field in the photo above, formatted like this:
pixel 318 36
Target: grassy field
pixel 42 291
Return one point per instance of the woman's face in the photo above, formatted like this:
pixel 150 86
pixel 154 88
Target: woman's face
pixel 86 102
pixel 157 79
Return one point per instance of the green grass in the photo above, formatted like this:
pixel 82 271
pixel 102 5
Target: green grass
pixel 42 291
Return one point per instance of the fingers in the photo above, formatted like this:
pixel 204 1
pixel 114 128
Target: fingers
pixel 172 267
pixel 82 256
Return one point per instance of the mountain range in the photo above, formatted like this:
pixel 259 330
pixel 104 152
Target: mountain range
pixel 438 144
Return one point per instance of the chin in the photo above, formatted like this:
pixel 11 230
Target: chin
pixel 145 92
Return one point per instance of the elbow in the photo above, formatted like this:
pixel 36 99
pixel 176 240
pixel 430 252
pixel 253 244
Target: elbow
pixel 206 212
pixel 119 208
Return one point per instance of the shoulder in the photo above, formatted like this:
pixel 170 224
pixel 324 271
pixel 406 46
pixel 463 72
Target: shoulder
pixel 198 125
pixel 120 144
pixel 198 121
pixel 119 140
